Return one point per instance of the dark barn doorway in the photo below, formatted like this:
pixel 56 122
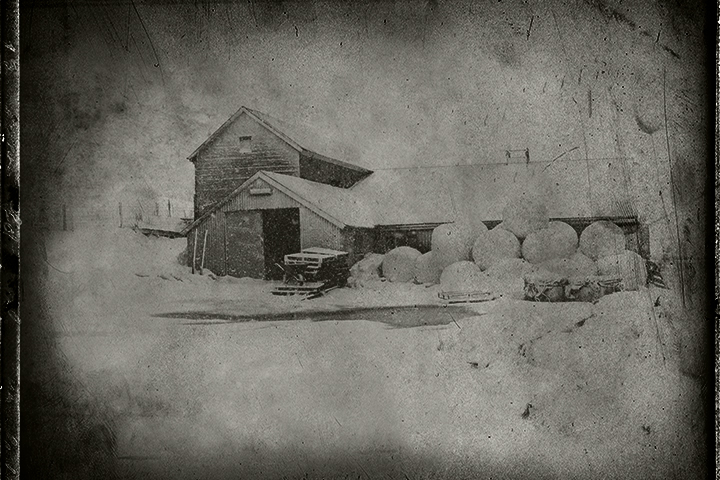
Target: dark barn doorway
pixel 281 232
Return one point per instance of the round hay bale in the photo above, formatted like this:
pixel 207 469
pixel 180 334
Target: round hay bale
pixel 427 269
pixel 399 264
pixel 510 268
pixel 564 231
pixel 602 238
pixel 578 265
pixel 525 214
pixel 628 265
pixel 557 241
pixel 462 277
pixel 494 245
pixel 507 275
pixel 453 242
pixel 366 270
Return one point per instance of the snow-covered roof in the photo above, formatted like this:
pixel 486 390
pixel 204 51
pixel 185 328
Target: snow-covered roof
pixel 434 195
pixel 338 203
pixel 422 195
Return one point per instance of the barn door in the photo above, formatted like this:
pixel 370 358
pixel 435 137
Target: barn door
pixel 244 244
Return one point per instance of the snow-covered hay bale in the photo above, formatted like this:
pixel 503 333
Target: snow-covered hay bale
pixel 399 264
pixel 558 240
pixel 427 269
pixel 464 276
pixel 565 232
pixel 507 276
pixel 510 268
pixel 602 238
pixel 578 265
pixel 628 265
pixel 366 270
pixel 525 214
pixel 453 242
pixel 494 245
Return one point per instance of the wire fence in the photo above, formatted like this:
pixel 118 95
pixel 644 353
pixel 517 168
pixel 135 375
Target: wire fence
pixel 63 217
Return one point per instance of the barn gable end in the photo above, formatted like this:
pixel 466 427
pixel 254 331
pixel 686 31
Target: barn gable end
pixel 249 142
pixel 235 153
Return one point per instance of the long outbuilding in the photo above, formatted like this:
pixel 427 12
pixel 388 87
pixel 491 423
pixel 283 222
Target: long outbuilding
pixel 262 191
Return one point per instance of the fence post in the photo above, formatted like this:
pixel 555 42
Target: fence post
pixel 194 250
pixel 202 262
pixel 157 209
pixel 169 209
pixel 120 212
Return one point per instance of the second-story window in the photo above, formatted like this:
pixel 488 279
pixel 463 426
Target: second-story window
pixel 245 144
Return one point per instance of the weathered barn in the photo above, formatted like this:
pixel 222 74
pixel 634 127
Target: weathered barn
pixel 262 190
pixel 261 195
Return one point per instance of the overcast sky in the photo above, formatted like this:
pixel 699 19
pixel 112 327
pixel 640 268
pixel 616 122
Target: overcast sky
pixel 116 96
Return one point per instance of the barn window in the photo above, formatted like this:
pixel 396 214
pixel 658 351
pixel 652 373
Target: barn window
pixel 518 155
pixel 245 144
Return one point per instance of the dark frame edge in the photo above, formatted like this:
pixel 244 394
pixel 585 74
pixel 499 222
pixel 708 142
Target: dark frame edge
pixel 10 239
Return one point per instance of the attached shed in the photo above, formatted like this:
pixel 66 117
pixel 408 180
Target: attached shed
pixel 271 215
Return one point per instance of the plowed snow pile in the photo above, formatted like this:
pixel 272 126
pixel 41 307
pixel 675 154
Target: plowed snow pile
pixel 590 375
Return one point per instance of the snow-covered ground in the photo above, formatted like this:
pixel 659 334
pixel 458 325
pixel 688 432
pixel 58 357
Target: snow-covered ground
pixel 511 389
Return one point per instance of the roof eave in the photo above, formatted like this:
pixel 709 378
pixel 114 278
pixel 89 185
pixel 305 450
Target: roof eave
pixel 314 155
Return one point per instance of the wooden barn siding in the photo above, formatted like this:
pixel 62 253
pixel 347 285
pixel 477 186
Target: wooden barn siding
pixel 315 231
pixel 215 247
pixel 221 167
pixel 325 172
pixel 245 201
pixel 358 242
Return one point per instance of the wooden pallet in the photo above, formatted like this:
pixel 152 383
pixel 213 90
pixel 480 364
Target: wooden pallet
pixel 308 288
pixel 465 297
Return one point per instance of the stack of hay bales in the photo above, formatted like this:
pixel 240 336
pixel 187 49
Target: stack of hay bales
pixel 627 265
pixel 558 240
pixel 453 242
pixel 464 277
pixel 399 264
pixel 366 271
pixel 427 269
pixel 493 246
pixel 525 214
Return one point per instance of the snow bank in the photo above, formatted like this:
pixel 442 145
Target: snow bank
pixel 628 265
pixel 464 276
pixel 366 270
pixel 399 264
